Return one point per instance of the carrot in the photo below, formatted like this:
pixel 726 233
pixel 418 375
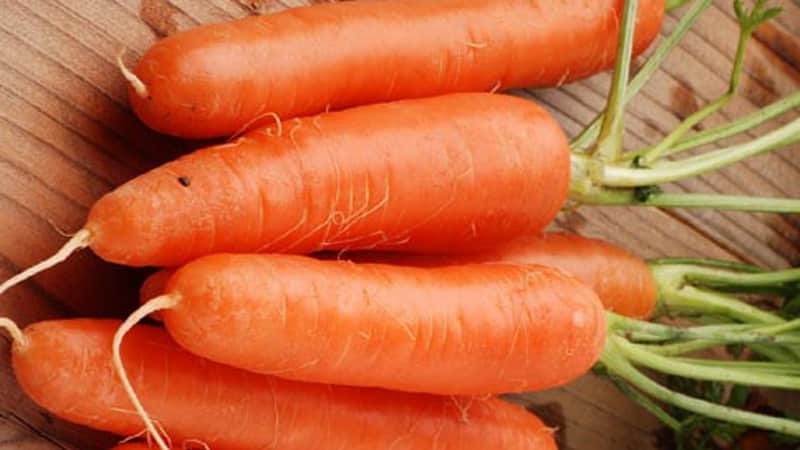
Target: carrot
pixel 66 367
pixel 217 79
pixel 349 180
pixel 622 280
pixel 700 288
pixel 459 330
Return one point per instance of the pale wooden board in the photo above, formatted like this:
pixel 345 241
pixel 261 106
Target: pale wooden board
pixel 68 136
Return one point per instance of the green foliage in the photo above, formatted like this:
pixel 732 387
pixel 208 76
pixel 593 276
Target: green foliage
pixel 757 15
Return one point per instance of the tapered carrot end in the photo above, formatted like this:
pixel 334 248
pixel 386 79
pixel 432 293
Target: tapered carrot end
pixel 80 240
pixel 136 83
pixel 12 328
pixel 156 304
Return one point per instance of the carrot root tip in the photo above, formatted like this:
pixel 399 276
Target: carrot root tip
pixel 156 304
pixel 13 329
pixel 138 85
pixel 80 240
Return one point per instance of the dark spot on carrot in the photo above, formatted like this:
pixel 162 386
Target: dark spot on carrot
pixel 684 103
pixel 185 181
pixel 552 414
pixel 160 16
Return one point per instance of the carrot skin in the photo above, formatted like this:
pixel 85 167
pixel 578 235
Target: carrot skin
pixel 216 79
pixel 622 280
pixel 453 173
pixel 458 330
pixel 66 368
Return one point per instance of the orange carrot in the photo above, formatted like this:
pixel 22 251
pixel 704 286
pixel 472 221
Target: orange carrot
pixel 453 173
pixel 455 330
pixel 623 281
pixel 66 367
pixel 217 79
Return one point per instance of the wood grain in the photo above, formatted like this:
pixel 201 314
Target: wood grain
pixel 68 137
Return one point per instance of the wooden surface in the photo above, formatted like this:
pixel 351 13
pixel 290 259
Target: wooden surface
pixel 67 136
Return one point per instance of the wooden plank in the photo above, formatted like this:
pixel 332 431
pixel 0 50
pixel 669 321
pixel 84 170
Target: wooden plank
pixel 68 137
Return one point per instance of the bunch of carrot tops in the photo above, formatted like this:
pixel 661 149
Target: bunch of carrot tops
pixel 362 264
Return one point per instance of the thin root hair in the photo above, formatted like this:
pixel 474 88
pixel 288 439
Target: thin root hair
pixel 246 126
pixel 156 304
pixel 79 241
pixel 14 330
pixel 138 85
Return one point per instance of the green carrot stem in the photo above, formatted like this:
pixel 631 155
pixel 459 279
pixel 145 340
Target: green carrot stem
pixel 709 372
pixel 645 402
pixel 730 334
pixel 681 348
pixel 674 4
pixel 696 300
pixel 638 197
pixel 618 365
pixel 733 128
pixel 755 366
pixel 609 145
pixel 666 171
pixel 707 262
pixel 653 154
pixel 774 353
pixel 714 277
pixel 590 133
